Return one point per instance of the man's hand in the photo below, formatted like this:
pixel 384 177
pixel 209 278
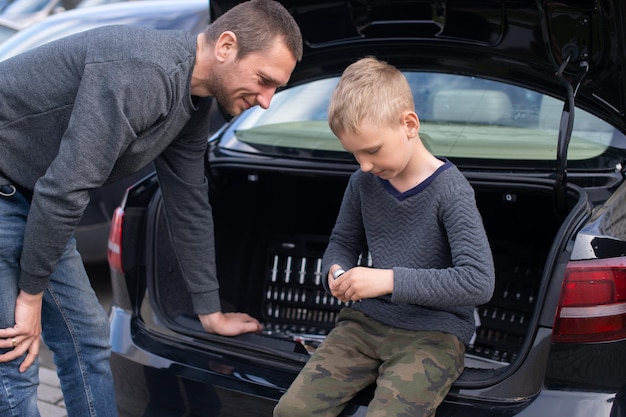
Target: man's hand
pixel 229 324
pixel 360 282
pixel 25 335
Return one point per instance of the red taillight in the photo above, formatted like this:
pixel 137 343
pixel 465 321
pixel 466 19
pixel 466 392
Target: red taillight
pixel 114 251
pixel 592 307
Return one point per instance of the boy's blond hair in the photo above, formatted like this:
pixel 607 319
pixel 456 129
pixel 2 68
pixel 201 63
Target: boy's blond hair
pixel 372 90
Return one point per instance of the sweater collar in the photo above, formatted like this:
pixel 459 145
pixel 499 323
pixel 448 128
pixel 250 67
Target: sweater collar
pixel 401 196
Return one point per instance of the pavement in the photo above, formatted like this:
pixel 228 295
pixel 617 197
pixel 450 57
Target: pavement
pixel 49 395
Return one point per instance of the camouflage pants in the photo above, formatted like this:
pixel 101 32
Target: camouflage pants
pixel 413 371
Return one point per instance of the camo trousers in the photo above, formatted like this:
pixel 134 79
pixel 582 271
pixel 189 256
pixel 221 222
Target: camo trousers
pixel 413 371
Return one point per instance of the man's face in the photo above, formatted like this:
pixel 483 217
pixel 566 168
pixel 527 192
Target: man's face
pixel 238 85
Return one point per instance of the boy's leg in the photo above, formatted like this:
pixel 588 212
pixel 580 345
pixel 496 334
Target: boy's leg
pixel 76 329
pixel 418 370
pixel 342 365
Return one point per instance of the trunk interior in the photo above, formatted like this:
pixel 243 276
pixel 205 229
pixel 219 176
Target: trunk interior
pixel 271 230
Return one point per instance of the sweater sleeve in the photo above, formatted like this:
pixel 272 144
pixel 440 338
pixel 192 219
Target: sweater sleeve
pixel 180 169
pixel 105 118
pixel 470 280
pixel 347 240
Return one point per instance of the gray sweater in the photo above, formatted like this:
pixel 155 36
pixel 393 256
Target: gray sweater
pixel 431 236
pixel 92 108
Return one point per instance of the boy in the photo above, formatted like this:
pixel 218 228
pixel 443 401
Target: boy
pixel 431 262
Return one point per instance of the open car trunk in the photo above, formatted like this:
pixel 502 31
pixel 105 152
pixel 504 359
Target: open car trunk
pixel 272 229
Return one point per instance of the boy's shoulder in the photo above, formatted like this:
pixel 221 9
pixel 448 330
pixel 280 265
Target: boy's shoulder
pixel 452 175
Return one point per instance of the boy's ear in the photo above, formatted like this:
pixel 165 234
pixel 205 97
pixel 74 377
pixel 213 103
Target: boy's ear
pixel 412 123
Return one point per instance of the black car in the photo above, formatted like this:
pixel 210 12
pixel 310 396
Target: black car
pixel 191 15
pixel 525 97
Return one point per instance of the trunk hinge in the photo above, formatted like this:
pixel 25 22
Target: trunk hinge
pixel 565 130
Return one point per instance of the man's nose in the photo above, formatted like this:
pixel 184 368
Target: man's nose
pixel 265 97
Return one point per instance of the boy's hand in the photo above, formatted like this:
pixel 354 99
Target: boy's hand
pixel 360 282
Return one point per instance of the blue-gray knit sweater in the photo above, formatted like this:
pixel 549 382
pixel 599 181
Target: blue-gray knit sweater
pixel 92 108
pixel 431 236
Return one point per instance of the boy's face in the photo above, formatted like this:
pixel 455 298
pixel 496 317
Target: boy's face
pixel 384 151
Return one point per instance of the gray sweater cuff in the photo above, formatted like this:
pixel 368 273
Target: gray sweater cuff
pixel 206 302
pixel 32 284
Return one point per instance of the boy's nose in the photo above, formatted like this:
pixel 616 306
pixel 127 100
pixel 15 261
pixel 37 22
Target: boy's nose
pixel 365 165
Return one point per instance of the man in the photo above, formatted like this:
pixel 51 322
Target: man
pixel 90 109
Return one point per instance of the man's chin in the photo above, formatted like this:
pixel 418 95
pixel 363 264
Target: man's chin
pixel 226 114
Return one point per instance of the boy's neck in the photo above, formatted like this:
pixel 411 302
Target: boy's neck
pixel 422 165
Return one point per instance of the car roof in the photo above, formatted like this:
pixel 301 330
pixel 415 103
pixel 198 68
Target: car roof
pixel 157 14
pixel 522 41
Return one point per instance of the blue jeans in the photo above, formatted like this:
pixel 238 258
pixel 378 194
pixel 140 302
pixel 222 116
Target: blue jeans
pixel 74 326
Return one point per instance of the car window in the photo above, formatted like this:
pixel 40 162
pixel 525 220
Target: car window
pixel 461 117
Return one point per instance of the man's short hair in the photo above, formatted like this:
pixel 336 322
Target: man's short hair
pixel 257 24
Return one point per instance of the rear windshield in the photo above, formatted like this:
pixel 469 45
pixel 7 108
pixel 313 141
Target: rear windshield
pixel 462 118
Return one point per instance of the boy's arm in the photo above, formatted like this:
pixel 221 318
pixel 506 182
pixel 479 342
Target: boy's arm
pixel 347 239
pixel 471 278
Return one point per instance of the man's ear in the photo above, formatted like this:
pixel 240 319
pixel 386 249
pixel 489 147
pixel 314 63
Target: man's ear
pixel 225 46
pixel 411 122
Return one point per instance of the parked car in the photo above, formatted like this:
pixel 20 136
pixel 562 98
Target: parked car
pixel 191 15
pixel 24 13
pixel 7 29
pixel 526 98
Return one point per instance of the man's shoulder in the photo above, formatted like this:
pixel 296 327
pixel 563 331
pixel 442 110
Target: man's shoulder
pixel 147 36
pixel 116 42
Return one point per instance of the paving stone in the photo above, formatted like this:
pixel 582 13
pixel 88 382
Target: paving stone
pixel 49 377
pixel 52 395
pixel 51 410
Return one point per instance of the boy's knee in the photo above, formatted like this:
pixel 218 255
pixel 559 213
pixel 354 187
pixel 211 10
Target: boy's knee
pixel 281 410
pixel 286 408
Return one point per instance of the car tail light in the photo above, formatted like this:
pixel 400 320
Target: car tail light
pixel 114 250
pixel 592 307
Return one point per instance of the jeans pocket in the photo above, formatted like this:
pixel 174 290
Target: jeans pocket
pixel 7 190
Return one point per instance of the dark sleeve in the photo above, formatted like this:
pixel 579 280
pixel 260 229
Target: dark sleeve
pixel 108 110
pixel 181 173
pixel 347 239
pixel 471 278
